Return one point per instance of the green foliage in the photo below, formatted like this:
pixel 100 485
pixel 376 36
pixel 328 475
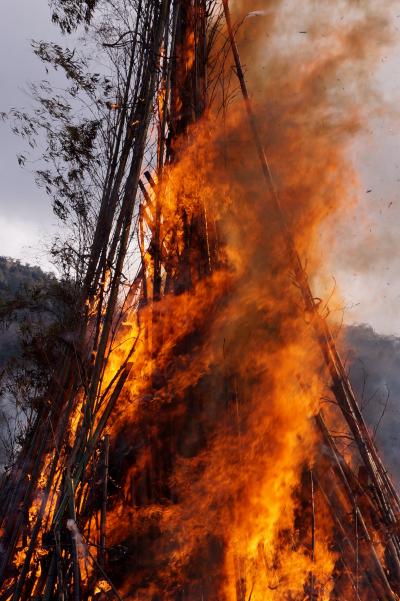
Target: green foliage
pixel 71 154
pixel 75 68
pixel 66 134
pixel 69 14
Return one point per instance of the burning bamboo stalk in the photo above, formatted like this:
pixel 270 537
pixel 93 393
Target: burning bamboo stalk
pixel 60 579
pixel 103 518
pixel 22 495
pixel 167 72
pixel 125 218
pixel 389 594
pixel 161 15
pixel 35 532
pixel 16 533
pixel 84 456
pixel 342 532
pixel 104 574
pixel 51 578
pixel 74 545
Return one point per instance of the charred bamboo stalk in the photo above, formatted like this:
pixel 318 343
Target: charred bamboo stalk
pixel 147 93
pixel 147 196
pixel 142 256
pixel 379 569
pixel 51 579
pixel 74 543
pixel 348 552
pixel 60 577
pixel 103 518
pixel 115 171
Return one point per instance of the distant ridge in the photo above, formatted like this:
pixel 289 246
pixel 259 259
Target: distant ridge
pixel 374 367
pixel 15 275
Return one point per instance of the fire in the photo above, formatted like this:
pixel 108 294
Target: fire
pixel 237 492
pixel 219 483
pixel 234 354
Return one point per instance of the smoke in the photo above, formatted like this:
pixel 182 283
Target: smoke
pixel 81 549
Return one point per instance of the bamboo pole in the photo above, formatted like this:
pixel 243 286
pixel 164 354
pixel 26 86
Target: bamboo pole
pixel 74 545
pixel 92 442
pixel 115 172
pixel 48 591
pixel 60 578
pixel 389 594
pixel 103 519
pixel 35 533
pixel 131 186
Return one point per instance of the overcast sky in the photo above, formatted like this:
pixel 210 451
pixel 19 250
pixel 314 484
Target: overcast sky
pixel 366 257
pixel 26 219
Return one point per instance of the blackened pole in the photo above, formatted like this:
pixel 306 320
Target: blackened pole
pixel 103 517
pixel 385 495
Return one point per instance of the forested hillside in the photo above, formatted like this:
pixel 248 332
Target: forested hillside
pixel 16 280
pixel 14 276
pixel 374 365
pixel 24 315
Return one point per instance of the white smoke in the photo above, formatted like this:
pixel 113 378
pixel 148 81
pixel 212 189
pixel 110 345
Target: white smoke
pixel 81 549
pixel 256 13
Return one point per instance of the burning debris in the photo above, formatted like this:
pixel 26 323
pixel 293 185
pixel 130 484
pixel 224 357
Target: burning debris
pixel 198 448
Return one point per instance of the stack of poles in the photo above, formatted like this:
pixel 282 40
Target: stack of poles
pixel 66 468
pixel 156 61
pixel 166 23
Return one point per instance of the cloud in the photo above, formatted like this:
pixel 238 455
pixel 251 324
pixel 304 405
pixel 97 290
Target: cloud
pixel 24 240
pixel 26 217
